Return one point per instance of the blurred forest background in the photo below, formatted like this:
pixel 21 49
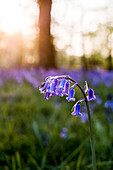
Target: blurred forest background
pixel 58 33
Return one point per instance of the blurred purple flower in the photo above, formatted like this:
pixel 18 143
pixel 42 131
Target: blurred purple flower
pixel 63 133
pixel 84 117
pixel 109 119
pixel 109 104
pixel 44 140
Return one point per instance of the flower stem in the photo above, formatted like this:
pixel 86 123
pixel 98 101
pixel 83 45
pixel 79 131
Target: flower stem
pixel 90 129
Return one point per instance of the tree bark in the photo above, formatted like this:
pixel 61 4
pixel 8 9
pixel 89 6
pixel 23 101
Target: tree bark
pixel 46 47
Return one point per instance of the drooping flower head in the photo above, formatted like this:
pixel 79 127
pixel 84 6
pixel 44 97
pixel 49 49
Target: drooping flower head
pixel 64 85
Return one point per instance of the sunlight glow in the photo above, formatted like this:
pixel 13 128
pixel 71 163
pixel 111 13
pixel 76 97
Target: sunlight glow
pixel 76 18
pixel 15 15
pixel 70 20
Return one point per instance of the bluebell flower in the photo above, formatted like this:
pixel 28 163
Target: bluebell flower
pixel 91 95
pixel 52 88
pixel 61 85
pixel 59 88
pixel 71 95
pixel 56 82
pixel 63 133
pixel 109 103
pixel 47 93
pixel 77 110
pixel 44 87
pixel 66 88
pixel 59 92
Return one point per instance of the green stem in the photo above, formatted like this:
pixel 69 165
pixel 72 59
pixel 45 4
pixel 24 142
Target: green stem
pixel 90 130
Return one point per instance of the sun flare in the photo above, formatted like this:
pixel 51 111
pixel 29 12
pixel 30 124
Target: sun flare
pixel 17 15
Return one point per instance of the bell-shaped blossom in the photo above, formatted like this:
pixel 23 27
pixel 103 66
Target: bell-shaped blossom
pixel 71 95
pixel 44 87
pixel 66 88
pixel 56 82
pixel 59 92
pixel 52 88
pixel 77 110
pixel 61 85
pixel 47 93
pixel 91 95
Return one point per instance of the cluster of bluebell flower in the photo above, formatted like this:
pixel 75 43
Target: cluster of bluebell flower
pixel 64 85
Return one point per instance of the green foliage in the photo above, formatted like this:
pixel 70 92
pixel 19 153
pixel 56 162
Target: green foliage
pixel 25 117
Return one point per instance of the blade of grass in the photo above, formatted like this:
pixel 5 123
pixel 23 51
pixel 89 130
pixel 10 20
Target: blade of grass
pixel 13 163
pixel 104 163
pixel 79 160
pixel 18 160
pixel 36 130
pixel 43 161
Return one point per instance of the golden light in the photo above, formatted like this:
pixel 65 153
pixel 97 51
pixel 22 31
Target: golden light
pixel 17 15
pixel 20 17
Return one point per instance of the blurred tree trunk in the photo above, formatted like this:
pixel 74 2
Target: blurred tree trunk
pixel 110 61
pixel 84 63
pixel 46 48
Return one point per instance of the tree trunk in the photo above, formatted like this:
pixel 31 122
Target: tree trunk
pixel 110 61
pixel 46 48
